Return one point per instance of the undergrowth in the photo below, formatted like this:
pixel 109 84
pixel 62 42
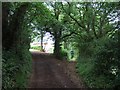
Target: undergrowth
pixel 85 68
pixel 101 69
pixel 16 69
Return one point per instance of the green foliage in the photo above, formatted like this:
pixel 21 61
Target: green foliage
pixel 12 65
pixel 86 49
pixel 24 73
pixel 102 70
pixel 85 69
pixel 107 59
pixel 63 54
pixel 8 70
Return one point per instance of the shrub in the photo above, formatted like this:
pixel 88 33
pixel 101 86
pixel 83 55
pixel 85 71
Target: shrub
pixel 86 49
pixel 106 61
pixel 103 69
pixel 63 54
pixel 9 68
pixel 15 68
pixel 85 68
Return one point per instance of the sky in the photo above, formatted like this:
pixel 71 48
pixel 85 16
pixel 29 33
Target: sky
pixel 49 47
pixel 47 38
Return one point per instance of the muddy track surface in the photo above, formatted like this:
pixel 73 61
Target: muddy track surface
pixel 49 72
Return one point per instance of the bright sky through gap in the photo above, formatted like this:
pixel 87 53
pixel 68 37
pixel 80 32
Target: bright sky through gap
pixel 49 40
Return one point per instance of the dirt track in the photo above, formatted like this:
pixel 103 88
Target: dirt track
pixel 49 72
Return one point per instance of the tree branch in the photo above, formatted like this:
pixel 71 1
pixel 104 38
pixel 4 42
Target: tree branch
pixel 79 24
pixel 93 27
pixel 67 35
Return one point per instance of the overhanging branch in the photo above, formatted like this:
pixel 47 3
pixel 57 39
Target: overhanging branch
pixel 67 35
pixel 79 24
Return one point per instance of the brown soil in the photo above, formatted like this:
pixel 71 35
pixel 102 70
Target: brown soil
pixel 49 72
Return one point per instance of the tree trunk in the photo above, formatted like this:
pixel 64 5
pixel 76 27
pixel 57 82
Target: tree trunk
pixel 93 27
pixel 17 20
pixel 5 31
pixel 11 29
pixel 57 47
pixel 41 40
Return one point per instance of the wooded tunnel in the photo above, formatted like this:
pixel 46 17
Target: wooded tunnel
pixel 83 33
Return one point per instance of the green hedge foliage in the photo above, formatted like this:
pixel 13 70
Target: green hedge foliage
pixel 102 69
pixel 15 69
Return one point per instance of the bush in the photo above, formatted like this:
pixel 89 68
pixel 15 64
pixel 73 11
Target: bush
pixel 15 68
pixel 9 68
pixel 63 54
pixel 106 61
pixel 86 49
pixel 85 68
pixel 102 70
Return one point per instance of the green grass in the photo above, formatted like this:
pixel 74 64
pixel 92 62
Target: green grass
pixel 36 48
